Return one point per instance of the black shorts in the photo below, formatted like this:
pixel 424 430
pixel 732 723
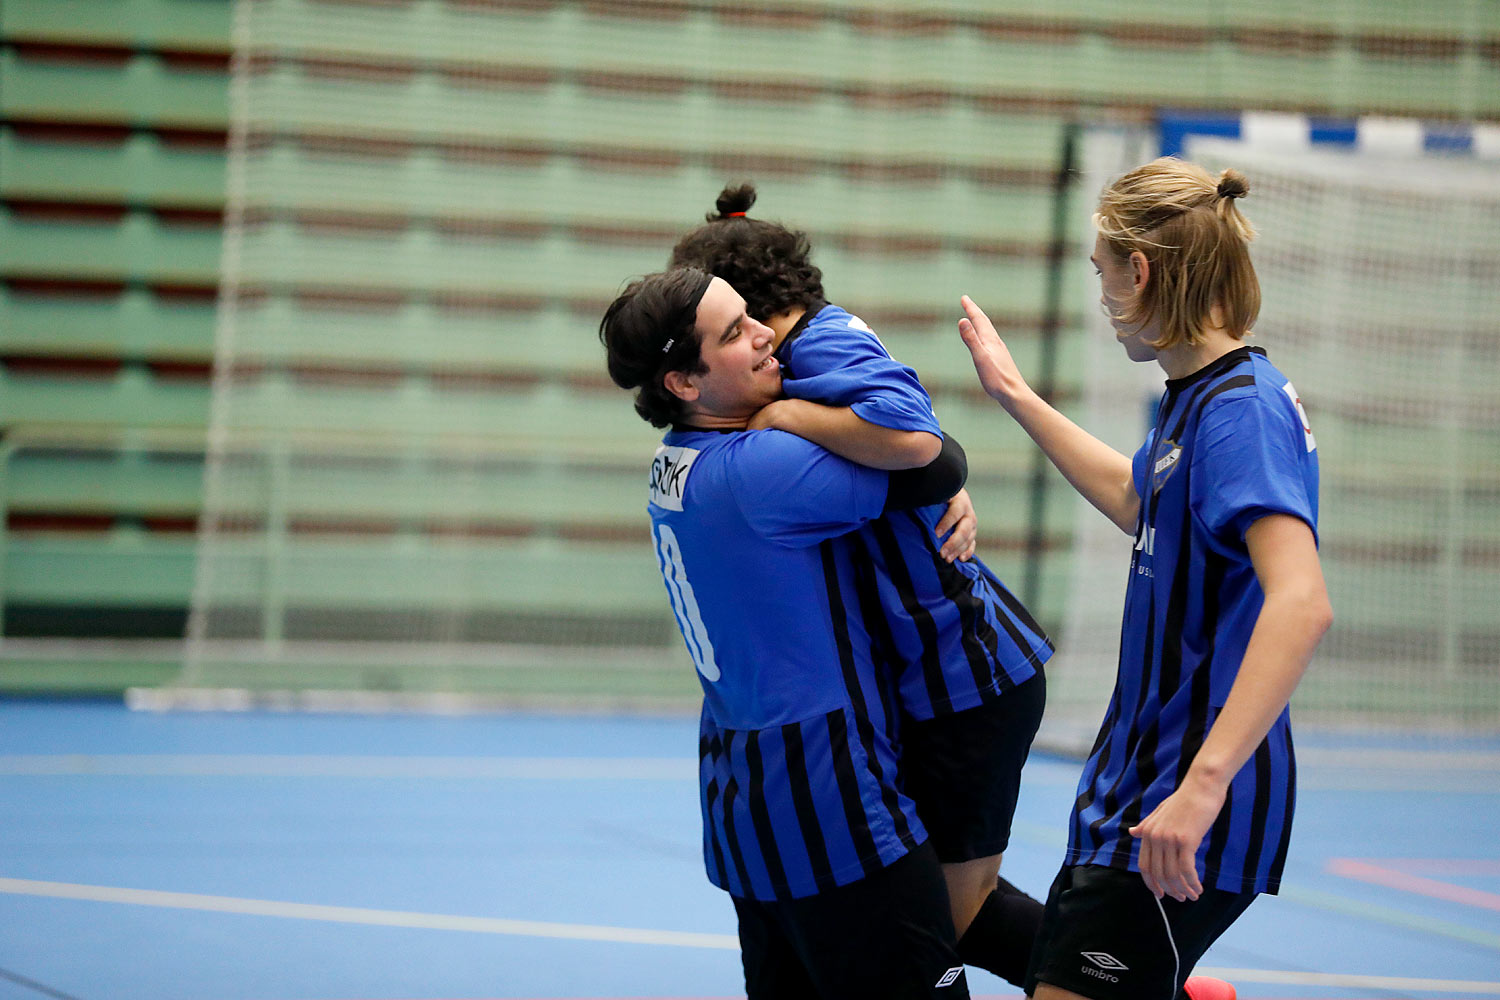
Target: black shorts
pixel 1105 936
pixel 964 770
pixel 887 935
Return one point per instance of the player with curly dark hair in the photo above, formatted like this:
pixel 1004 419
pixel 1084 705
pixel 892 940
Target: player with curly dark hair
pixel 769 264
pixel 961 657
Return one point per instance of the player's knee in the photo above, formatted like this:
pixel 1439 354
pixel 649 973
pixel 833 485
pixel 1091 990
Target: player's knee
pixel 969 885
pixel 1046 991
pixel 974 874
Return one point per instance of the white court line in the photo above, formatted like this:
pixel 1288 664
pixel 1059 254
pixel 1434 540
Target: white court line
pixel 621 935
pixel 1371 758
pixel 337 766
pixel 360 915
pixel 1336 769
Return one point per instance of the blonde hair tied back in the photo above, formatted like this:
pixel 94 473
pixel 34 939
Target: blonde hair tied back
pixel 1233 186
pixel 1189 226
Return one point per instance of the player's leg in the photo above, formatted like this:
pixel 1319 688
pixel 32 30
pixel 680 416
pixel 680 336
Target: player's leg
pixel 1206 989
pixel 1002 933
pixel 773 968
pixel 970 884
pixel 964 773
pixel 1197 924
pixel 1046 992
pixel 1104 936
pixel 888 935
pixel 1196 988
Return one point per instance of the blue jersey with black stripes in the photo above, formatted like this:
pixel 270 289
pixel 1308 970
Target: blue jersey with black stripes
pixel 1231 445
pixel 946 637
pixel 798 775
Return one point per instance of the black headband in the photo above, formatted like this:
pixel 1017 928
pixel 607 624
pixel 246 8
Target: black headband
pixel 693 299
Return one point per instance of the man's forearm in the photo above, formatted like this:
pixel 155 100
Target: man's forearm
pixel 1281 646
pixel 1293 617
pixel 846 434
pixel 935 482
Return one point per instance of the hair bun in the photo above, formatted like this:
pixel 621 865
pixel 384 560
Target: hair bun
pixel 736 198
pixel 1232 184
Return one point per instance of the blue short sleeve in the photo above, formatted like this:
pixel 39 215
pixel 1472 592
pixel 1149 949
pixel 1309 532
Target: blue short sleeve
pixel 1247 464
pixel 1141 461
pixel 839 361
pixel 797 494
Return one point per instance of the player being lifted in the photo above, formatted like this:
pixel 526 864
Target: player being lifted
pixel 1184 809
pixel 958 658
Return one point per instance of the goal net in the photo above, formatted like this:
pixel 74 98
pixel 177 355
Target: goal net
pixel 415 487
pixel 1380 272
pixel 419 481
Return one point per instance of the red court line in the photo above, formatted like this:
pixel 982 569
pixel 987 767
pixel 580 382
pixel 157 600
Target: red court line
pixel 1444 866
pixel 1365 871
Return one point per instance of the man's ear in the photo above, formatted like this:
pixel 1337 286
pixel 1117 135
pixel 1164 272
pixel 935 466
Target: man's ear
pixel 1140 270
pixel 680 385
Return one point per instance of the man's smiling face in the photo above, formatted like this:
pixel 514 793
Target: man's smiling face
pixel 742 374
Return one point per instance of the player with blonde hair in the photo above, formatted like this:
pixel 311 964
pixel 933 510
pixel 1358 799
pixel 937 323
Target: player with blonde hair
pixel 1184 808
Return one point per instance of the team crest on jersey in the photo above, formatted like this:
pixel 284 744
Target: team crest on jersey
pixel 669 472
pixel 855 323
pixel 1165 465
pixel 1307 434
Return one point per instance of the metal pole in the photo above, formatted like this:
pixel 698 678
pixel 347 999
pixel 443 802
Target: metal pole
pixel 7 451
pixel 1046 383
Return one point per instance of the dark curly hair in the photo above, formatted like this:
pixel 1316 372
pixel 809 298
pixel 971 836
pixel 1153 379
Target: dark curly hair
pixel 649 330
pixel 765 262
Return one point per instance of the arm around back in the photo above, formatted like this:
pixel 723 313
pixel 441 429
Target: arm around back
pixel 845 433
pixel 936 482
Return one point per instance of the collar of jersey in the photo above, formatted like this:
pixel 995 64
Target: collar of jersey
pixel 1214 367
pixel 813 308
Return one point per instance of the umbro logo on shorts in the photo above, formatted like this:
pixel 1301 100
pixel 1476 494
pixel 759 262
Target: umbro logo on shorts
pixel 1102 960
pixel 1105 960
pixel 950 977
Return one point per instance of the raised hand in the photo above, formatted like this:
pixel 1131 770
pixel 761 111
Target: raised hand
pixel 997 370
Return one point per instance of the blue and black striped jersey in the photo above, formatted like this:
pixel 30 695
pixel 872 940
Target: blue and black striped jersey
pixel 798 775
pixel 950 636
pixel 1231 444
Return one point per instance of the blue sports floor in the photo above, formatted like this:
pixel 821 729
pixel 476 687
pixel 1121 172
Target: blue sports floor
pixel 322 857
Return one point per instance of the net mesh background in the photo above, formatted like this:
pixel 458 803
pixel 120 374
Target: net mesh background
pixel 418 477
pixel 1381 292
pixel 1376 305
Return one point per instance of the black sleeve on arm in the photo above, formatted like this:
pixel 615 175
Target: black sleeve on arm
pixel 935 482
